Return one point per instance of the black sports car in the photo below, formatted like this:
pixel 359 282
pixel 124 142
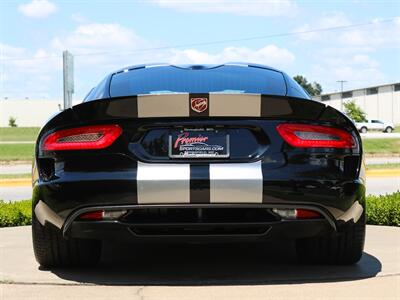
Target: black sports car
pixel 198 153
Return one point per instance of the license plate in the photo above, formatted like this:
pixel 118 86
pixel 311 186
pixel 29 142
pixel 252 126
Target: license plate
pixel 196 143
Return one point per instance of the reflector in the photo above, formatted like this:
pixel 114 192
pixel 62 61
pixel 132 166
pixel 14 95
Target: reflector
pixel 298 213
pixel 315 136
pixel 286 213
pixel 114 214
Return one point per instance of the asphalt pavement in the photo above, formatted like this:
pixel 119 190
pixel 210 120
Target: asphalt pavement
pixel 236 271
pixel 15 168
pixel 382 185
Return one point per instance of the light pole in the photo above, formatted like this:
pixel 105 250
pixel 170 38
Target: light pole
pixel 68 78
pixel 341 93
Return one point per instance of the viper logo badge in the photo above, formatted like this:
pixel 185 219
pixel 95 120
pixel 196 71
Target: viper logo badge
pixel 199 104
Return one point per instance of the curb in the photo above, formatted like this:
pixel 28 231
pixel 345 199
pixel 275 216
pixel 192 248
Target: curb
pixel 383 173
pixel 16 182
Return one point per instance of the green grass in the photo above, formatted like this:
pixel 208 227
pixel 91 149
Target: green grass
pixel 381 146
pixel 383 166
pixel 14 134
pixel 13 176
pixel 381 210
pixel 16 151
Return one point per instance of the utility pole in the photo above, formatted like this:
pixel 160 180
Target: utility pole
pixel 341 93
pixel 68 78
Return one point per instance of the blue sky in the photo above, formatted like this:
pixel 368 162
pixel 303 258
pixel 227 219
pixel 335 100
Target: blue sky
pixel 34 33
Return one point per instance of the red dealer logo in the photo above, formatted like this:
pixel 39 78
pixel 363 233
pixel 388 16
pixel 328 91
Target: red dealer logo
pixel 199 104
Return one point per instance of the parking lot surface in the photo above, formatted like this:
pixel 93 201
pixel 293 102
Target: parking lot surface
pixel 237 271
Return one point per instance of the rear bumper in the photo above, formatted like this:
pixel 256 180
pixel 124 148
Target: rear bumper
pixel 117 231
pixel 197 231
pixel 340 200
pixel 61 201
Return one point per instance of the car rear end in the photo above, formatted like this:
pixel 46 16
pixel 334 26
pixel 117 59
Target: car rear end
pixel 221 166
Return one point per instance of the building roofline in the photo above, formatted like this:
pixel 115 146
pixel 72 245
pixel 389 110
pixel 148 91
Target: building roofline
pixel 360 89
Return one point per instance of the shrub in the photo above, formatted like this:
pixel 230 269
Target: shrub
pixel 384 210
pixel 15 213
pixel 12 122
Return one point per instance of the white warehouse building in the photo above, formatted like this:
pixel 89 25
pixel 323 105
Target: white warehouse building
pixel 378 102
pixel 28 112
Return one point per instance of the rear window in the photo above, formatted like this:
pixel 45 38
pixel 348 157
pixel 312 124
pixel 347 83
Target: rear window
pixel 222 79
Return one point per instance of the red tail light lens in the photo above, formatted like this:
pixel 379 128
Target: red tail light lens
pixel 307 214
pixel 82 138
pixel 92 215
pixel 315 136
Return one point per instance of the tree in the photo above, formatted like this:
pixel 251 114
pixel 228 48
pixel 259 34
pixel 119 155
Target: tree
pixel 353 111
pixel 314 89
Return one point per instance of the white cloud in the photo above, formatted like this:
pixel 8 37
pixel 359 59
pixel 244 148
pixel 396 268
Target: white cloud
pixel 38 8
pixel 119 47
pixel 42 76
pixel 270 55
pixel 38 75
pixel 239 7
pixel 332 19
pixel 358 70
pixel 369 36
pixel 110 40
pixel 79 18
pixel 352 54
pixel 95 37
pixel 10 52
pixel 122 43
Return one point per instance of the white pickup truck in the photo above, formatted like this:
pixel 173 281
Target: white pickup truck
pixel 364 127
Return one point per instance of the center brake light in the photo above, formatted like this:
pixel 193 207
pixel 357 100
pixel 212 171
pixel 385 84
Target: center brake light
pixel 315 136
pixel 82 138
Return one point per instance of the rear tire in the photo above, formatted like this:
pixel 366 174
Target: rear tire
pixel 363 130
pixel 342 249
pixel 53 250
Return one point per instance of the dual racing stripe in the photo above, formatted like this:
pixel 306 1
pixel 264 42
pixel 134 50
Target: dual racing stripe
pixel 218 105
pixel 199 183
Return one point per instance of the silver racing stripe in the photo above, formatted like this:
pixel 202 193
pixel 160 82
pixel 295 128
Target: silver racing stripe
pixel 236 183
pixel 163 183
pixel 235 105
pixel 168 105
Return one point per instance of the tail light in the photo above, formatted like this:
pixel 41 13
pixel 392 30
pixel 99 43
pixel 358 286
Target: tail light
pixel 315 136
pixel 307 214
pixel 92 215
pixel 82 138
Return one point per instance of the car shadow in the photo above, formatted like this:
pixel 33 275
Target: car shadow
pixel 215 264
